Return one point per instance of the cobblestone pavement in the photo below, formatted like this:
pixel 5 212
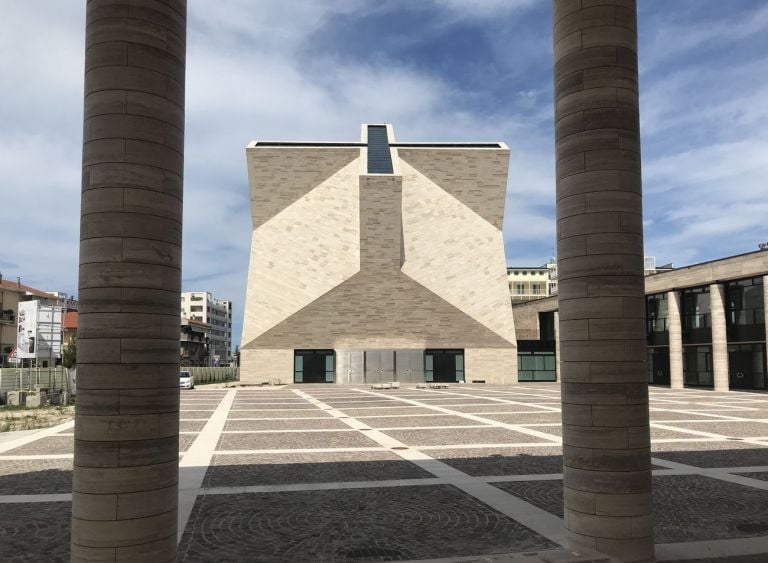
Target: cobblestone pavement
pixel 337 473
pixel 351 525
pixel 35 532
pixel 687 508
pixel 284 469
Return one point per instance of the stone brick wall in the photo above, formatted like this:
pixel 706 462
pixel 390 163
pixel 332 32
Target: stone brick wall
pixel 265 366
pixel 377 261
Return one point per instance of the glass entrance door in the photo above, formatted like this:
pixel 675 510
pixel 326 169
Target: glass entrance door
pixel 444 366
pixel 313 366
pixel 746 366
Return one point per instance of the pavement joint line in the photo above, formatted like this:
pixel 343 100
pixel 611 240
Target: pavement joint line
pixel 721 474
pixel 26 499
pixel 194 465
pixel 30 457
pixel 366 417
pixel 490 445
pixel 755 441
pixel 271 410
pixel 497 400
pixel 291 431
pixel 531 516
pixel 291 418
pixel 454 427
pixel 29 438
pixel 514 427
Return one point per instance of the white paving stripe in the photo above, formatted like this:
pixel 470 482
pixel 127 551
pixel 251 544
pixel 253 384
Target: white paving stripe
pixel 755 441
pixel 194 464
pixel 29 438
pixel 498 400
pixel 23 499
pixel 533 517
pixel 711 549
pixel 35 456
pixel 516 428
pixel 301 451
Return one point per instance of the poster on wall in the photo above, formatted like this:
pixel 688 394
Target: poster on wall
pixel 26 332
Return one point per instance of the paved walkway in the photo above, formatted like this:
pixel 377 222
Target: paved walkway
pixel 336 473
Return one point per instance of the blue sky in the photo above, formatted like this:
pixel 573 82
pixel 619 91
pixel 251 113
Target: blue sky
pixel 439 70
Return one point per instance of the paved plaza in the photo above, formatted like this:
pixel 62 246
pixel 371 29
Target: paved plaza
pixel 334 473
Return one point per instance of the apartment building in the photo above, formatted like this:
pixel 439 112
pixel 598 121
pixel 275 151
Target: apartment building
pixel 204 307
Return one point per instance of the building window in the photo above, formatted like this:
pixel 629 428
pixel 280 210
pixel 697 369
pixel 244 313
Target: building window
pixel 696 316
pixel 520 289
pixel 744 310
pixel 196 308
pixel 697 366
pixel 536 366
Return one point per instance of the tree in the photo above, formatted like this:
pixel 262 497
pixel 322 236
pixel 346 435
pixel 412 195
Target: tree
pixel 69 355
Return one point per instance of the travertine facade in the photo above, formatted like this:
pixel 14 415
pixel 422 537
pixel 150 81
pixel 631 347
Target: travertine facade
pixel 346 258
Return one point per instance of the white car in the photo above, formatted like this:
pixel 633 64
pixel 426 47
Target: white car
pixel 186 380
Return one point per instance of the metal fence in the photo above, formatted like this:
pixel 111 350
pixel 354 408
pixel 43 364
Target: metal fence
pixel 213 375
pixel 13 379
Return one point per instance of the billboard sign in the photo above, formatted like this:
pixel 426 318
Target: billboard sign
pixel 38 332
pixel 26 329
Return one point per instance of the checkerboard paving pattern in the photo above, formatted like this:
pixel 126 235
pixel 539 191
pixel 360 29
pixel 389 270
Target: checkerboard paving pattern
pixel 346 473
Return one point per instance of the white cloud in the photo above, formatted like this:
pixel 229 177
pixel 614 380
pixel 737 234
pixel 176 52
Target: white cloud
pixel 484 8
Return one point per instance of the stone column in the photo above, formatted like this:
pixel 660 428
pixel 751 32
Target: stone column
pixel 125 497
pixel 557 345
pixel 606 445
pixel 765 306
pixel 675 341
pixel 719 337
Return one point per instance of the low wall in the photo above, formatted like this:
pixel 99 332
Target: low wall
pixel 213 375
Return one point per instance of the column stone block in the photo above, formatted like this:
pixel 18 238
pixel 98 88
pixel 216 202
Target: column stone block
pixel 125 485
pixel 602 350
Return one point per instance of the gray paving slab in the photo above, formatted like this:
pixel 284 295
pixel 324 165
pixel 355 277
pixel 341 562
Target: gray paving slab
pixel 496 408
pixel 35 533
pixel 727 428
pixel 698 508
pixel 480 435
pixel 285 441
pixel 761 475
pixel 294 468
pixel 185 440
pixel 402 421
pixel 395 411
pixel 526 418
pixel 503 461
pixel 686 507
pixel 350 525
pixel 674 416
pixel 35 476
pixel 299 413
pixel 712 454
pixel 285 424
pixel 191 425
pixel 46 446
